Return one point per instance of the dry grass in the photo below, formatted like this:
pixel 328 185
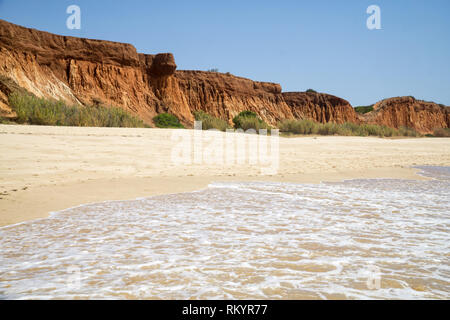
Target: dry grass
pixel 39 111
pixel 306 126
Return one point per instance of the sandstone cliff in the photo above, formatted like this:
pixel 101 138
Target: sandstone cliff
pixel 91 72
pixel 320 107
pixel 398 112
pixel 224 95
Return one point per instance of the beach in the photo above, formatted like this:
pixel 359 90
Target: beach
pixel 46 169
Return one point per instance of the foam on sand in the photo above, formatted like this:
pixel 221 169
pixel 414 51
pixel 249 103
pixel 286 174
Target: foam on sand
pixel 377 238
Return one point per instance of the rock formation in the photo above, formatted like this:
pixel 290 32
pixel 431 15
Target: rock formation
pixel 92 72
pixel 398 112
pixel 224 95
pixel 96 72
pixel 320 107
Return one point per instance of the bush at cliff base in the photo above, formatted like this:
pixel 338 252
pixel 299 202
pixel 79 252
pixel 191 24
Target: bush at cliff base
pixel 210 122
pixel 249 120
pixel 167 120
pixel 442 132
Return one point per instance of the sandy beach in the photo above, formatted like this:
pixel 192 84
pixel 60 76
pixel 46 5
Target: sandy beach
pixel 45 169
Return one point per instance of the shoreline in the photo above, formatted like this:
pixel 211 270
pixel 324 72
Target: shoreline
pixel 49 169
pixel 172 185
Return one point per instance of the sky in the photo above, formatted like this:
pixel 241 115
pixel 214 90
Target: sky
pixel 323 45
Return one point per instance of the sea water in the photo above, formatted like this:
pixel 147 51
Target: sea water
pixel 356 239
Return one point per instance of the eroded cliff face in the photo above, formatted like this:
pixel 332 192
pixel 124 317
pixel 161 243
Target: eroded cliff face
pixel 92 72
pixel 320 107
pixel 225 95
pixel 398 112
pixel 96 72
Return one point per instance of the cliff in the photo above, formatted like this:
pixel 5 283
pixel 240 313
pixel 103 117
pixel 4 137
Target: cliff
pixel 225 95
pixel 320 107
pixel 91 72
pixel 398 112
pixel 97 72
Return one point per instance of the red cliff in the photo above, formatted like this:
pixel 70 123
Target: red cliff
pixel 320 107
pixel 225 95
pixel 398 112
pixel 91 72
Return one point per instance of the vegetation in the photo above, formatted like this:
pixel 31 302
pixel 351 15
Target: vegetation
pixel 441 132
pixel 408 132
pixel 39 111
pixel 210 122
pixel 249 120
pixel 306 126
pixel 213 70
pixel 4 120
pixel 364 109
pixel 311 90
pixel 167 120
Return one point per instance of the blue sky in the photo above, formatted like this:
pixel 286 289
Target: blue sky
pixel 324 45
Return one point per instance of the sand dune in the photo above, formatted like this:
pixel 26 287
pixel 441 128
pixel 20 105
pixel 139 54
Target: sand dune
pixel 44 169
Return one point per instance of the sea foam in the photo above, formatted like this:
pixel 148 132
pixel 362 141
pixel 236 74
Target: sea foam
pixel 368 239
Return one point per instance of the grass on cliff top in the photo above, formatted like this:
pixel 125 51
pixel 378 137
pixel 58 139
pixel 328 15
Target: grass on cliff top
pixel 364 109
pixel 39 111
pixel 167 120
pixel 306 127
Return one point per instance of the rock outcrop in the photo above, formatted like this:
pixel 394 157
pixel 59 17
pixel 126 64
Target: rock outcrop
pixel 398 112
pixel 320 107
pixel 92 72
pixel 225 95
pixel 97 72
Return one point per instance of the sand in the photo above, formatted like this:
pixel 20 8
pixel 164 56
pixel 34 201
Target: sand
pixel 45 169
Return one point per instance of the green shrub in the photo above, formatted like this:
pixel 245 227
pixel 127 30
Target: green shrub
pixel 441 132
pixel 253 123
pixel 246 113
pixel 311 91
pixel 210 122
pixel 40 111
pixel 364 109
pixel 249 120
pixel 167 120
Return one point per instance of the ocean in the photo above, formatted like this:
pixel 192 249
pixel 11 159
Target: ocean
pixel 356 239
